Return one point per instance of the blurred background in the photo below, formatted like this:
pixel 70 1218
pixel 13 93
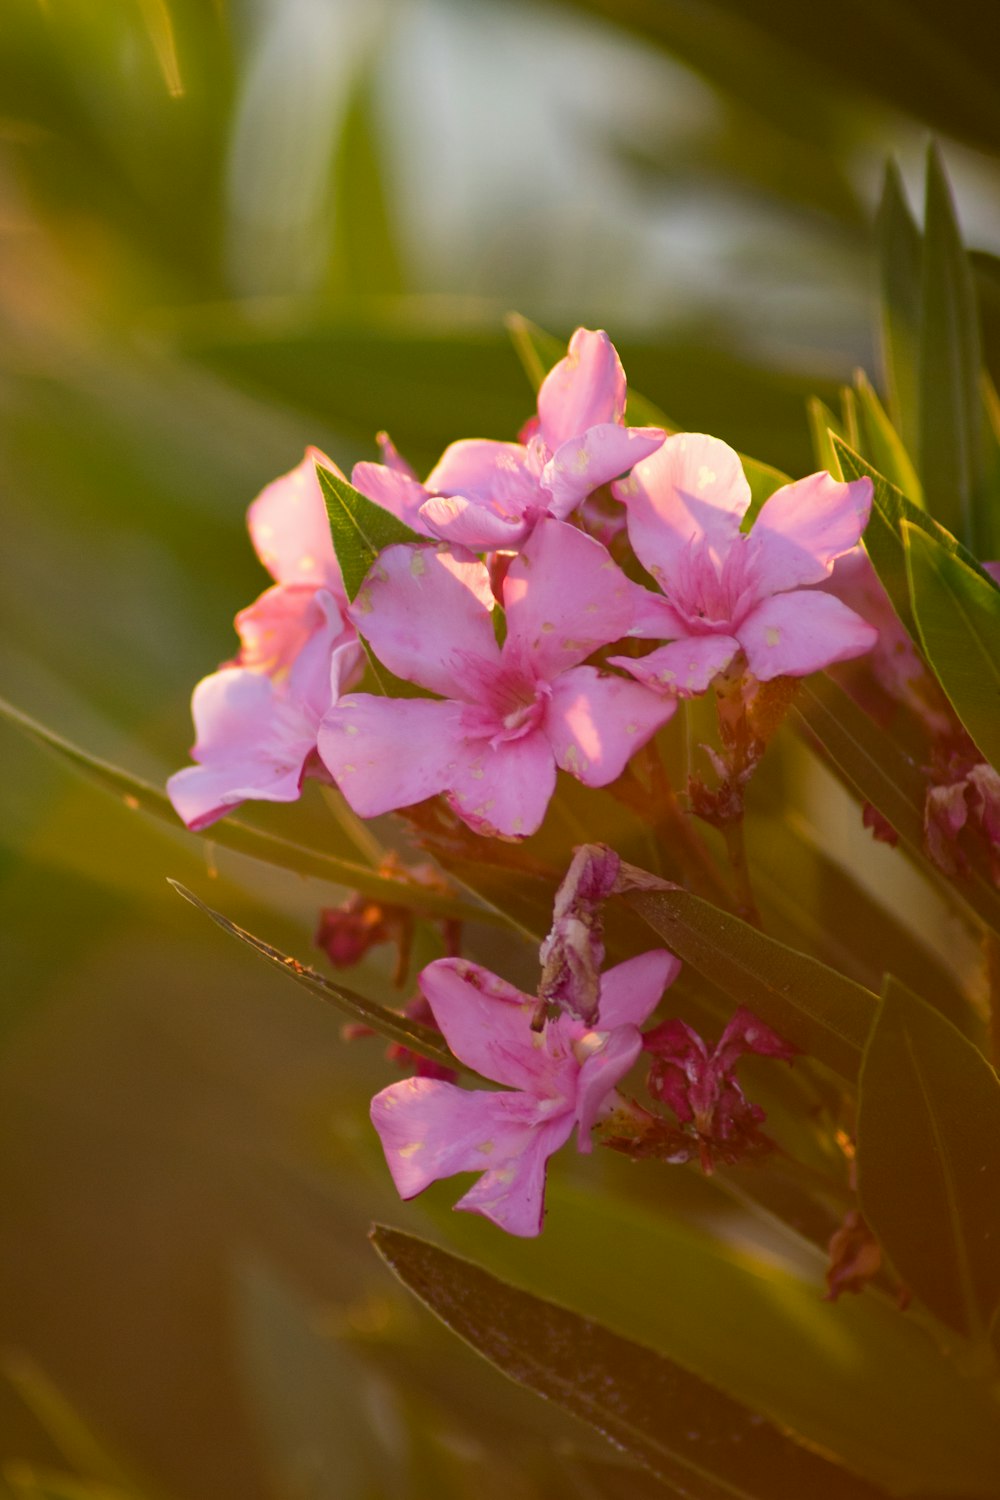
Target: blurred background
pixel 229 228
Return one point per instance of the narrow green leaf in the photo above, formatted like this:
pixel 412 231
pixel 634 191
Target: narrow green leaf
pixel 361 529
pixel 67 1429
pixel 823 427
pixel 813 1006
pixel 230 833
pixel 883 536
pixel 949 363
pixel 673 1423
pixel 929 1159
pixel 900 254
pixel 389 1023
pixel 883 443
pixel 879 772
pixel 365 251
pixel 958 615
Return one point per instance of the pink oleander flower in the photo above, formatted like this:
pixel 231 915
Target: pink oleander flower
pixel 508 715
pixel 726 591
pixel 488 495
pixel 256 720
pixel 698 1083
pixel 558 1080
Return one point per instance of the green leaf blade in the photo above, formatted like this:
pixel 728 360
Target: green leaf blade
pixel 900 254
pixel 361 529
pixel 929 1159
pixel 397 1028
pixel 674 1424
pixel 958 616
pixel 811 1005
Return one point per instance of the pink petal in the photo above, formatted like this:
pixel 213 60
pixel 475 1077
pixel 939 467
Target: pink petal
pixel 394 490
pixel 993 569
pixel 602 1071
pixel 632 990
pixel 469 523
pixel 504 789
pixel 391 456
pixel 684 667
pixel 564 598
pixel 487 1024
pixel 512 1194
pixel 802 632
pixel 290 531
pixel 252 743
pixel 595 723
pixel 586 388
pixel 691 493
pixel 803 528
pixel 385 753
pixel 480 469
pixel 275 627
pixel 430 1129
pixel 592 458
pixel 419 606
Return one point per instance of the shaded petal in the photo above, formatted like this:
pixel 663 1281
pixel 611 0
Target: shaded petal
pixel 691 492
pixel 487 1024
pixel 504 789
pixel 422 609
pixel 585 388
pixel 602 1071
pixel 394 490
pixel 512 1194
pixel 431 1129
pixel 470 523
pixel 803 528
pixel 632 990
pixel 684 667
pixel 565 597
pixel 596 722
pixel 275 627
pixel 290 530
pixel 385 753
pixel 480 469
pixel 392 457
pixel 329 660
pixel 802 632
pixel 595 457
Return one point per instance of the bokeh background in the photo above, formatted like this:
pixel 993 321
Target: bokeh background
pixel 229 228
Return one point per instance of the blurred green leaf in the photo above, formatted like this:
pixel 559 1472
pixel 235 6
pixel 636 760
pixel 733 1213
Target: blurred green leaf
pixel 929 1159
pixel 69 1431
pixel 881 773
pixel 26 1482
pixel 366 256
pixel 900 256
pixel 811 1005
pixel 950 359
pixel 398 1028
pixel 823 427
pixel 676 1425
pixel 230 833
pixel 958 616
pixel 883 443
pixel 360 528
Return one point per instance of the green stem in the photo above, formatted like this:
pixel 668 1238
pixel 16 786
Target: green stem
pixel 736 849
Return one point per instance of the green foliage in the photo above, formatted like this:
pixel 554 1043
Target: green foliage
pixel 360 528
pixel 957 611
pixel 929 1159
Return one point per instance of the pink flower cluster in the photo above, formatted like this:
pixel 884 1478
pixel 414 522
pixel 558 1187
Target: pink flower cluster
pixel 516 624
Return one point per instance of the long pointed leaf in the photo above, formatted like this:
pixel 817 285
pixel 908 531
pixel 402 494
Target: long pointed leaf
pixel 361 529
pixel 676 1425
pixel 929 1159
pixel 883 442
pixel 949 365
pixel 389 1023
pixel 230 833
pixel 811 1005
pixel 958 616
pixel 900 253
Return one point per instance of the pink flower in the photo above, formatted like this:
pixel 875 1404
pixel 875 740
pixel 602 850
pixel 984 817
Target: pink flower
pixel 559 1080
pixel 726 591
pixel 489 495
pixel 257 719
pixel 256 729
pixel 507 715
